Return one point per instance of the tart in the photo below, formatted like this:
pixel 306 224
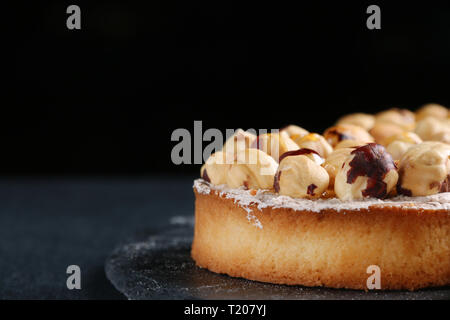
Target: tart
pixel 326 223
pixel 325 242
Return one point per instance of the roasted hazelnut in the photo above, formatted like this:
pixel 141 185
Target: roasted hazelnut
pixel 432 110
pixel 383 131
pixel 216 168
pixel 349 144
pixel 300 177
pixel 294 131
pixel 313 155
pixel 398 144
pixel 430 127
pixel 368 171
pixel 238 141
pixel 341 132
pixel 335 161
pixel 443 136
pixel 315 142
pixel 275 144
pixel 424 169
pixel 398 148
pixel 363 120
pixel 405 136
pixel 253 169
pixel 402 118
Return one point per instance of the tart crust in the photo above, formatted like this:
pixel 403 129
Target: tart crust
pixel 331 246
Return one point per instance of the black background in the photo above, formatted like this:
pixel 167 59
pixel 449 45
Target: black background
pixel 105 99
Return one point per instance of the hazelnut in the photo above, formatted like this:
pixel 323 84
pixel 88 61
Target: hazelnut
pixel 364 120
pixel 238 141
pixel 424 169
pixel 313 155
pixel 430 127
pixel 341 132
pixel 335 161
pixel 315 142
pixel 400 117
pixel 382 131
pixel 349 144
pixel 443 136
pixel 253 169
pixel 406 136
pixel 398 148
pixel 398 144
pixel 275 144
pixel 368 171
pixel 216 168
pixel 294 131
pixel 300 177
pixel 432 110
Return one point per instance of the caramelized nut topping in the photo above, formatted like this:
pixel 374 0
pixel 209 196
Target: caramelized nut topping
pixel 344 162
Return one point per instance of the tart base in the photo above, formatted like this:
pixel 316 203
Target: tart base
pixel 327 248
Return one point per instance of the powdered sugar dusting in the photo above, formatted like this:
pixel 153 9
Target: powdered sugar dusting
pixel 264 198
pixel 254 220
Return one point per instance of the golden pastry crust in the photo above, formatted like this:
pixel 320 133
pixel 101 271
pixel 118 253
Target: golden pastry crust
pixel 411 245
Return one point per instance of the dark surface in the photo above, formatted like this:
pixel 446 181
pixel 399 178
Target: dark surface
pixel 159 266
pixel 49 224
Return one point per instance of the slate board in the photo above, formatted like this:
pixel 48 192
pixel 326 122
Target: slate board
pixel 159 266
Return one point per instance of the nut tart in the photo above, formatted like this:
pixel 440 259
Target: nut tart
pixel 261 236
pixel 301 208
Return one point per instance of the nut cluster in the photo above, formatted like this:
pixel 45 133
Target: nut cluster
pixel 393 152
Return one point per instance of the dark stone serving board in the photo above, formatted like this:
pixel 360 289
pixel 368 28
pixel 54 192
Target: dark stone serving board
pixel 159 266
